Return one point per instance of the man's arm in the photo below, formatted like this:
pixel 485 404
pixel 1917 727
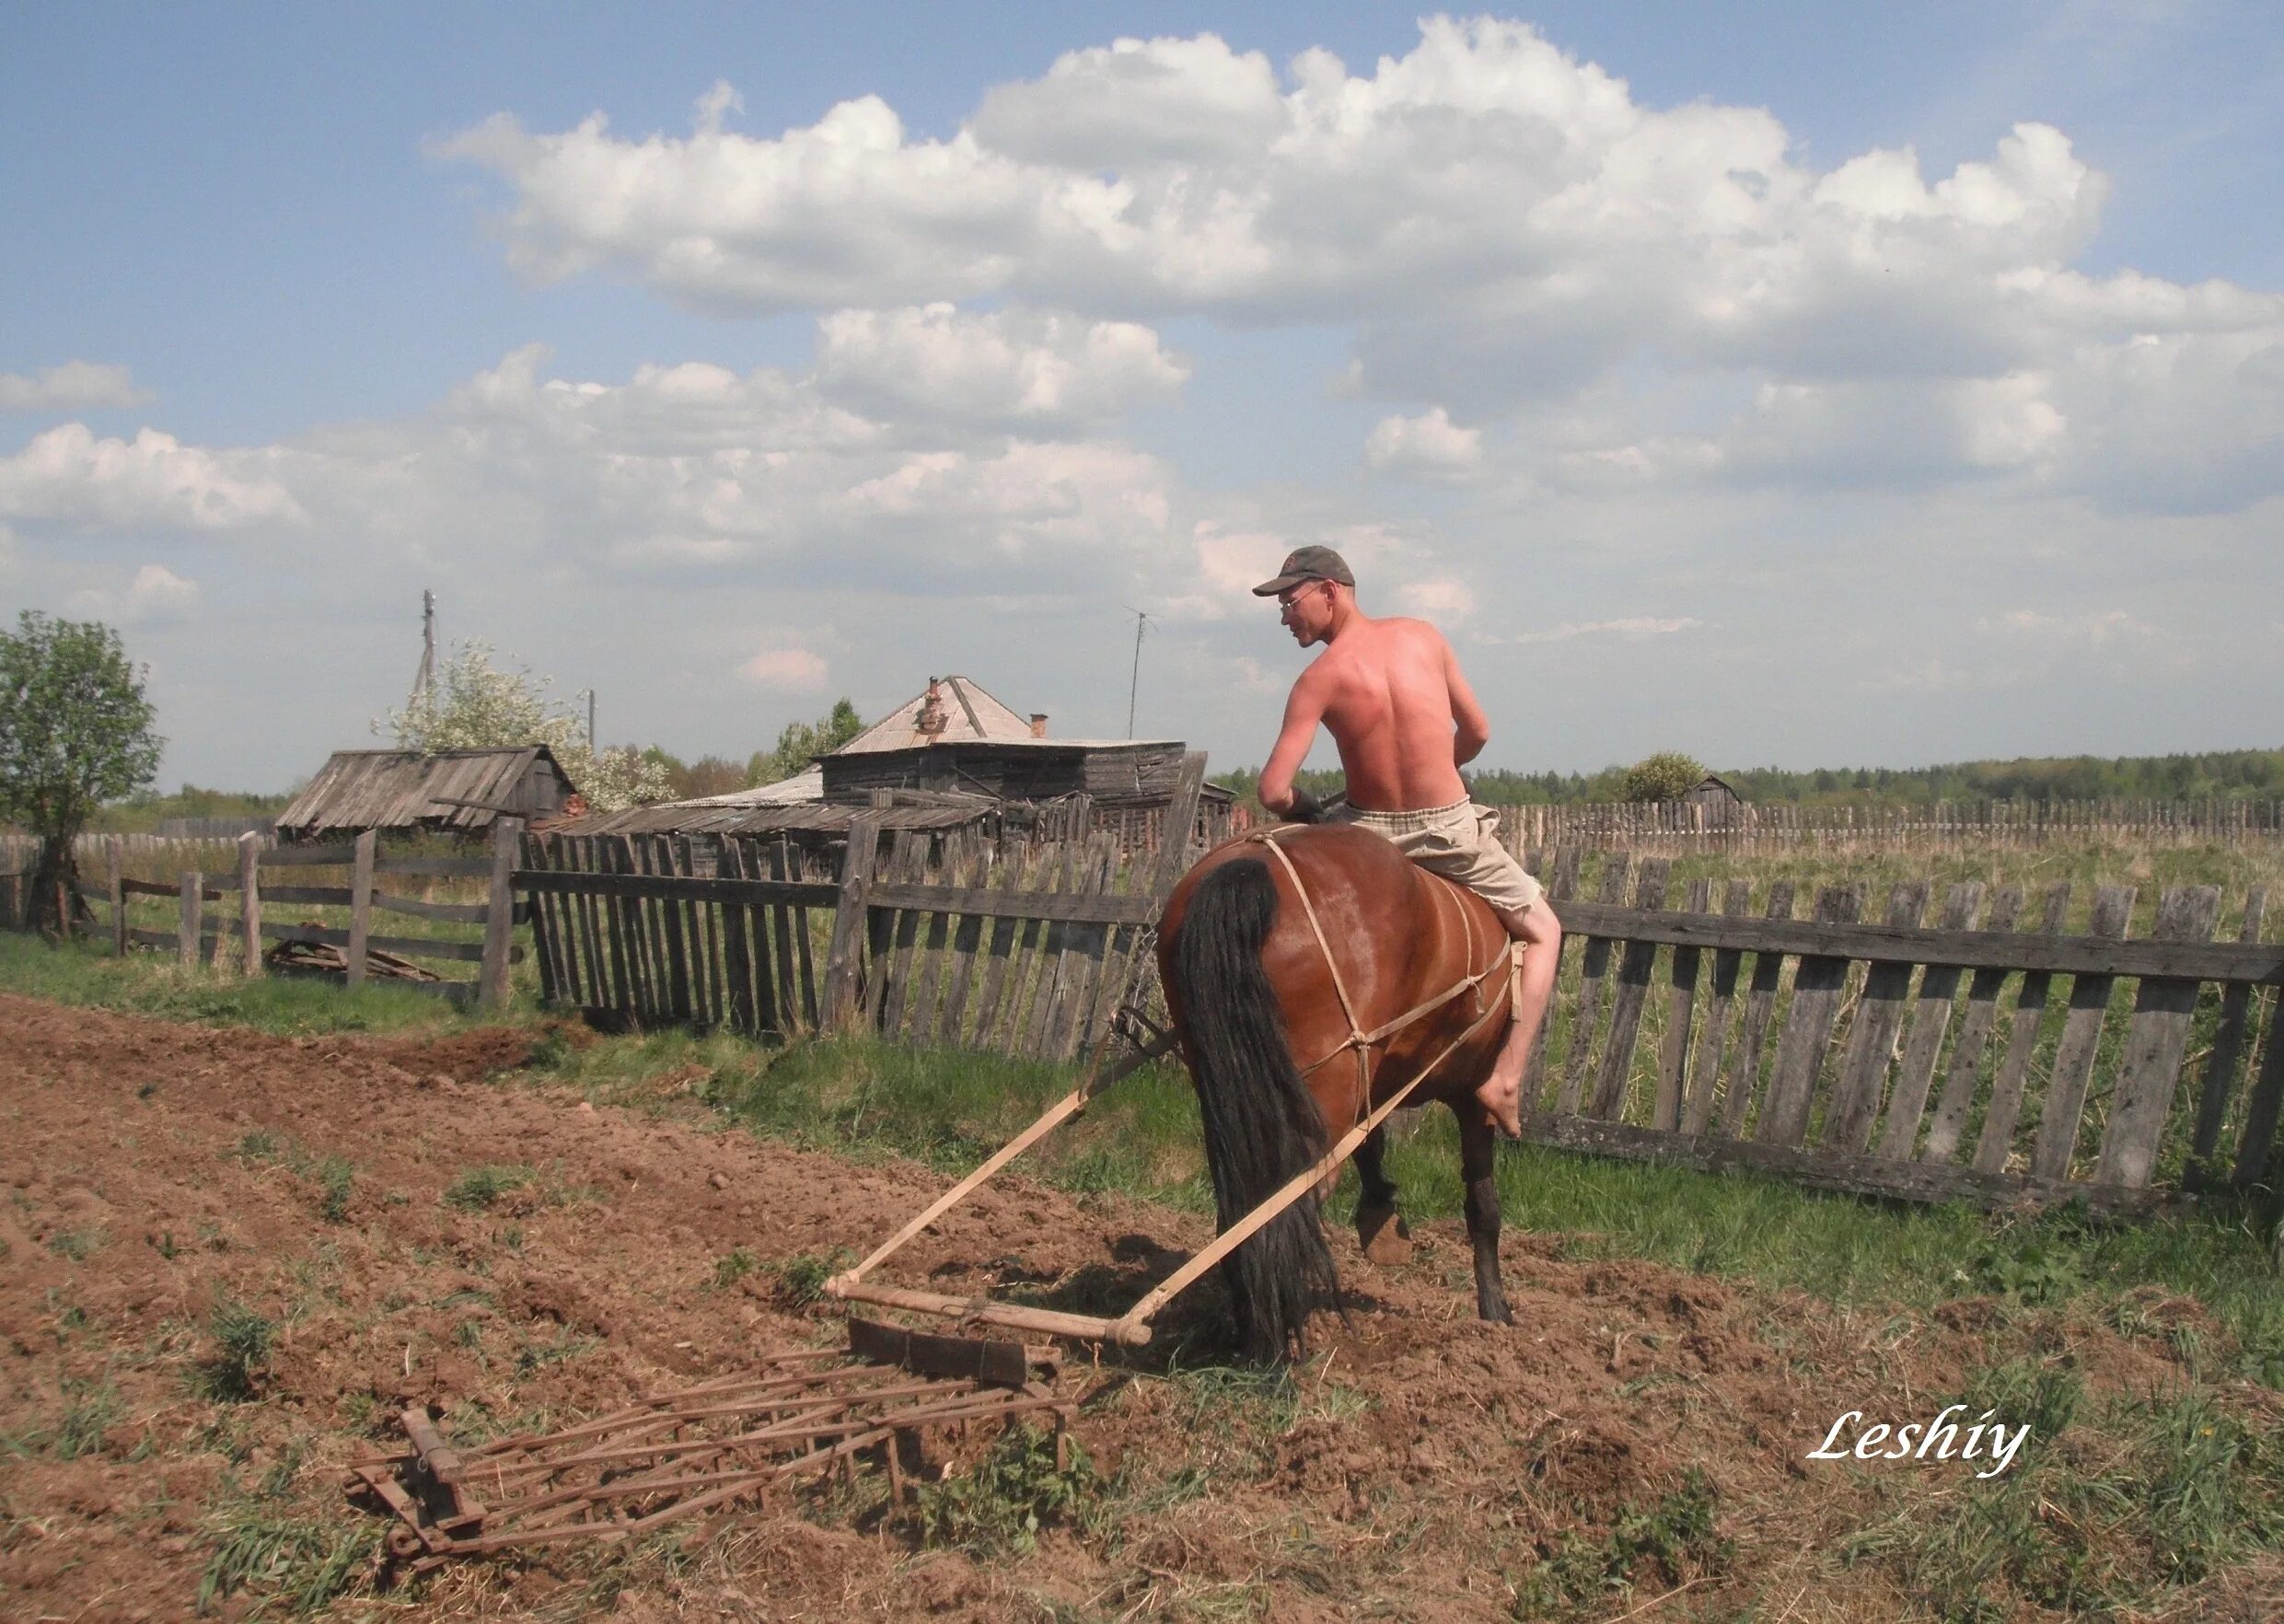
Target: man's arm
pixel 1303 709
pixel 1472 728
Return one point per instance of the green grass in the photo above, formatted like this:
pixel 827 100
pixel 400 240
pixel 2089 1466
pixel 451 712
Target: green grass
pixel 1009 1496
pixel 233 1372
pixel 302 1562
pixel 482 1189
pixel 85 975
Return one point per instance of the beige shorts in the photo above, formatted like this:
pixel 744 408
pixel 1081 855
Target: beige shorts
pixel 1459 841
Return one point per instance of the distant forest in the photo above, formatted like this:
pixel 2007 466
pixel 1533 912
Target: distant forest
pixel 2224 774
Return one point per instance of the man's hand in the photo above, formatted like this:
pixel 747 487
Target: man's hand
pixel 1303 807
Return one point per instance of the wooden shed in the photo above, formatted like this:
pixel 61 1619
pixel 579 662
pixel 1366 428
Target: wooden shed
pixel 407 791
pixel 1712 791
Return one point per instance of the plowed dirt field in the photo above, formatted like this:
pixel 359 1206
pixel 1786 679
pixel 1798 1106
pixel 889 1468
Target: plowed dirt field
pixel 1423 1466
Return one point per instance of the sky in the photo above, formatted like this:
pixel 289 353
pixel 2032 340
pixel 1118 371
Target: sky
pixel 1784 383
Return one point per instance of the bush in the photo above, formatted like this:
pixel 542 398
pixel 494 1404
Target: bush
pixel 1666 776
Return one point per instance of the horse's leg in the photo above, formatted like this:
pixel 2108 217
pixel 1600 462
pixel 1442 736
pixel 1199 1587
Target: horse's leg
pixel 1478 1147
pixel 1380 1229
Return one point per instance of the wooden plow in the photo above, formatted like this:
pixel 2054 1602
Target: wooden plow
pixel 1132 1328
pixel 797 1416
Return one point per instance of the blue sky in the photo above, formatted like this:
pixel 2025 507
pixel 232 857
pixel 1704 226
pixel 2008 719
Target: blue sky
pixel 1627 343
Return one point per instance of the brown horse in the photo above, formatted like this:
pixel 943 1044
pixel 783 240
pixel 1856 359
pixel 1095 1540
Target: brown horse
pixel 1311 973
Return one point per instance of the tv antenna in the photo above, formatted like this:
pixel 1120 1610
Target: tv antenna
pixel 1133 684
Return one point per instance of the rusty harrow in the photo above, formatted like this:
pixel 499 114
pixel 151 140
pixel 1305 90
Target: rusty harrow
pixel 674 1454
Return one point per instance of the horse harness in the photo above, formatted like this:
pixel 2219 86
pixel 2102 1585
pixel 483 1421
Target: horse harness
pixel 1363 1042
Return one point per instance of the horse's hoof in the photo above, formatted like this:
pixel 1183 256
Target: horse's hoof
pixel 1384 1235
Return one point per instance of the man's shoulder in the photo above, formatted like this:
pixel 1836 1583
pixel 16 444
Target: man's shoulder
pixel 1413 630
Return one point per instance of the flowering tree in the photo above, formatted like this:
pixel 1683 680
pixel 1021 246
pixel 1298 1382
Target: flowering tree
pixel 1666 776
pixel 475 706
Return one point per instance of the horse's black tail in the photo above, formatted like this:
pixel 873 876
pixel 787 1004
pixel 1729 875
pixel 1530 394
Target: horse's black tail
pixel 1261 1127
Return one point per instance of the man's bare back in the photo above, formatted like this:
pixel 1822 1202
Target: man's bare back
pixel 1391 694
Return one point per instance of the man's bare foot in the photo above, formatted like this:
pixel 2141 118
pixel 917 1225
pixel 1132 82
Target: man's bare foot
pixel 1502 1103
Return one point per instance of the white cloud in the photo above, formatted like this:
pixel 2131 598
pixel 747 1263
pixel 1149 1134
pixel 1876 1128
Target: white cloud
pixel 67 474
pixel 1447 602
pixel 1631 628
pixel 77 386
pixel 155 597
pixel 1429 447
pixel 1013 367
pixel 1501 226
pixel 786 670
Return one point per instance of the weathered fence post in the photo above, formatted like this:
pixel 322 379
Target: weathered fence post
pixel 361 908
pixel 186 937
pixel 114 866
pixel 499 922
pixel 250 899
pixel 844 959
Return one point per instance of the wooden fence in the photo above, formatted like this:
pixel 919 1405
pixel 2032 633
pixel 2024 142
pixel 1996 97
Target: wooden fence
pixel 219 936
pixel 954 939
pixel 1673 828
pixel 1927 1063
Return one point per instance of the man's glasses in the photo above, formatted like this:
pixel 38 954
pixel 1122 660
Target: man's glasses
pixel 1288 601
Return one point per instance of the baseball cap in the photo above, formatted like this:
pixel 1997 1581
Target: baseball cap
pixel 1308 563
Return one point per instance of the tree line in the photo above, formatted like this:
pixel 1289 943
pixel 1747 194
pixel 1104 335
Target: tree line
pixel 2212 775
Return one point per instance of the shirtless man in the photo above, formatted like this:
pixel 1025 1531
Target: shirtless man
pixel 1390 692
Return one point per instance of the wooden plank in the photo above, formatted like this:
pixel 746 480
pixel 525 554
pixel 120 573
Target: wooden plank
pixel 1177 830
pixel 546 941
pixel 138 937
pixel 306 856
pixel 1593 973
pixel 898 933
pixel 308 896
pixel 2202 961
pixel 737 952
pixel 2056 1145
pixel 963 862
pixel 1704 1077
pixel 1560 889
pixel 1995 1145
pixel 798 867
pixel 186 937
pixel 2228 1050
pixel 616 884
pixel 1005 928
pixel 454 912
pixel 114 866
pixel 1048 988
pixel 844 958
pixel 1634 967
pixel 2262 1107
pixel 1083 952
pixel 680 1004
pixel 1680 1009
pixel 634 938
pixel 499 929
pixel 1023 964
pixel 1930 1019
pixel 1760 1003
pixel 1961 1081
pixel 1817 987
pixel 2154 1044
pixel 132 886
pixel 790 929
pixel 1872 1034
pixel 250 905
pixel 714 916
pixel 435 867
pixel 360 908
pixel 1076 907
pixel 1830 1169
pixel 999 1363
pixel 922 1004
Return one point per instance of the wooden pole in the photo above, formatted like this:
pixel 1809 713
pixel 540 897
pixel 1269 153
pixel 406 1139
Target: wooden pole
pixel 250 899
pixel 186 938
pixel 499 924
pixel 114 862
pixel 361 908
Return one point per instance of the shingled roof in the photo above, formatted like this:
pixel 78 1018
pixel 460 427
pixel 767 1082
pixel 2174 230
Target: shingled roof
pixel 450 791
pixel 962 713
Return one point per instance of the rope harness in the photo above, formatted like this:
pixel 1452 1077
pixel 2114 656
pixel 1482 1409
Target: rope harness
pixel 1363 1042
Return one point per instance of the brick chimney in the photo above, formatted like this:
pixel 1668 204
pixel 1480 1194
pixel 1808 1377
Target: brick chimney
pixel 932 717
pixel 1038 725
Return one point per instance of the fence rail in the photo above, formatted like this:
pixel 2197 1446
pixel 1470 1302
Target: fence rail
pixel 1672 828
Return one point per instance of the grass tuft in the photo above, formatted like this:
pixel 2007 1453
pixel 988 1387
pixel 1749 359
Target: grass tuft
pixel 482 1189
pixel 233 1372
